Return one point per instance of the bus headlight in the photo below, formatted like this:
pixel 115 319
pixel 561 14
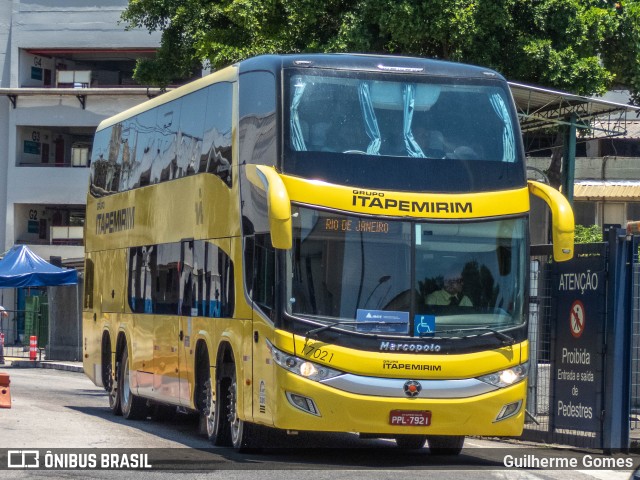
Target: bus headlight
pixel 508 377
pixel 299 366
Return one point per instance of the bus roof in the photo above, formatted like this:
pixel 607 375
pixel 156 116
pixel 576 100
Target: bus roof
pixel 366 62
pixel 334 61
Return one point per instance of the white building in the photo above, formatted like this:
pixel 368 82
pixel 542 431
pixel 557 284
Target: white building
pixel 65 65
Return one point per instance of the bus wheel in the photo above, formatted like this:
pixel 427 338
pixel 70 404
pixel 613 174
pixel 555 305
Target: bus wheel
pixel 244 435
pixel 446 445
pixel 411 442
pixel 212 420
pixel 133 407
pixel 111 386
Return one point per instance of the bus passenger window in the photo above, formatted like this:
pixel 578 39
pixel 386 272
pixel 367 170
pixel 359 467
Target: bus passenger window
pixel 187 284
pixel 88 283
pixel 264 273
pixel 258 118
pixel 216 150
pixel 167 289
pixel 142 276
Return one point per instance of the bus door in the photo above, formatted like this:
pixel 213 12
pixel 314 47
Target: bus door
pixel 264 288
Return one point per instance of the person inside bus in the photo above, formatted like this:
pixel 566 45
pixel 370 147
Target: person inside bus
pixel 451 292
pixel 431 141
pixel 318 137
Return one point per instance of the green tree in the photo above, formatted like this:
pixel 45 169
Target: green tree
pixel 588 234
pixel 582 46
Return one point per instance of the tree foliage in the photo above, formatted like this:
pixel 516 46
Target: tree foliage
pixel 582 46
pixel 588 234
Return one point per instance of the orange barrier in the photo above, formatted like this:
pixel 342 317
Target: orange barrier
pixel 5 391
pixel 33 347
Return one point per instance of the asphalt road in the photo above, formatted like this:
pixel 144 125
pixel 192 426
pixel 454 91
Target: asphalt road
pixel 63 414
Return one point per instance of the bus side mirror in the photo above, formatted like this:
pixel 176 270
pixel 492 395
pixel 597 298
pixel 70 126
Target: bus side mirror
pixel 278 203
pixel 562 223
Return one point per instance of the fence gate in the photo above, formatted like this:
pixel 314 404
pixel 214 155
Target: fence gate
pixel 579 329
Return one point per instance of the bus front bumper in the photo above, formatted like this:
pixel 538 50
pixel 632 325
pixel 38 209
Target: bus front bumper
pixel 301 404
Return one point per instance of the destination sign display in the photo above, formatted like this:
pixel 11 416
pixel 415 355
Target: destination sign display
pixel 342 224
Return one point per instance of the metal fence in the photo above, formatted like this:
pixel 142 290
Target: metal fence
pixel 36 323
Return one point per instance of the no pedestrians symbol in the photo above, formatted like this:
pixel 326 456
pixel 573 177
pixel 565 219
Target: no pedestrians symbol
pixel 576 319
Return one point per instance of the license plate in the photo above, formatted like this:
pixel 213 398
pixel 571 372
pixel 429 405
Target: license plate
pixel 410 418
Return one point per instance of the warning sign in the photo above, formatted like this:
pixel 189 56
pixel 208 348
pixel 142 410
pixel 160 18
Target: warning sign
pixel 577 362
pixel 576 319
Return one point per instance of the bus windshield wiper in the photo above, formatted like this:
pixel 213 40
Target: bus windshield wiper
pixel 506 339
pixel 329 326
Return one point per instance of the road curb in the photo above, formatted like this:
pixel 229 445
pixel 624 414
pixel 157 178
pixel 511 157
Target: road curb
pixel 47 364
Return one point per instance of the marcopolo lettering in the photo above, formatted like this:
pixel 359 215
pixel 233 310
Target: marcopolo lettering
pixel 115 220
pixel 367 199
pixel 409 347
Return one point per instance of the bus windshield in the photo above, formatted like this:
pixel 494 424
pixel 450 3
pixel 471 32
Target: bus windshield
pixel 404 131
pixel 406 278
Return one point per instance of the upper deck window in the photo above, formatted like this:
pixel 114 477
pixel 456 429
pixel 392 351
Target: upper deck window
pixel 436 122
pixel 188 135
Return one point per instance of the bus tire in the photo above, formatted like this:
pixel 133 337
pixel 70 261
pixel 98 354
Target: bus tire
pixel 110 377
pixel 133 406
pixel 411 442
pixel 113 391
pixel 245 436
pixel 446 445
pixel 211 420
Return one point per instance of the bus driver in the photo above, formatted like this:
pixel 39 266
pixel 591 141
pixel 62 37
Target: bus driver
pixel 450 293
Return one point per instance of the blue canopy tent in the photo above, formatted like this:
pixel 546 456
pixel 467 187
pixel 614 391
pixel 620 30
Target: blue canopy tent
pixel 20 267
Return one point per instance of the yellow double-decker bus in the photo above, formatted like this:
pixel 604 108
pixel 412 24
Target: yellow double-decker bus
pixel 333 243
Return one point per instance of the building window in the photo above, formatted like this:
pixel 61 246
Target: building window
pixel 585 213
pixel 613 214
pixel 40 146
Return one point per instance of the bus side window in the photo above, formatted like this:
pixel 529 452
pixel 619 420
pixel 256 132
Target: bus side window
pixel 257 104
pixel 187 283
pixel 133 282
pixel 102 167
pixel 88 284
pixel 263 280
pixel 217 154
pixel 213 281
pixel 249 247
pixel 166 292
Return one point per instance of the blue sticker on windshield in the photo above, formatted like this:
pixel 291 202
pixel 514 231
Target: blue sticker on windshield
pixel 424 325
pixel 382 321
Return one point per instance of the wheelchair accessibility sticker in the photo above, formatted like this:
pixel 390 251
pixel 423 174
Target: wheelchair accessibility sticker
pixel 424 325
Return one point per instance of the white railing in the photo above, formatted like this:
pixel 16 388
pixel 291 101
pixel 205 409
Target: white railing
pixel 66 235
